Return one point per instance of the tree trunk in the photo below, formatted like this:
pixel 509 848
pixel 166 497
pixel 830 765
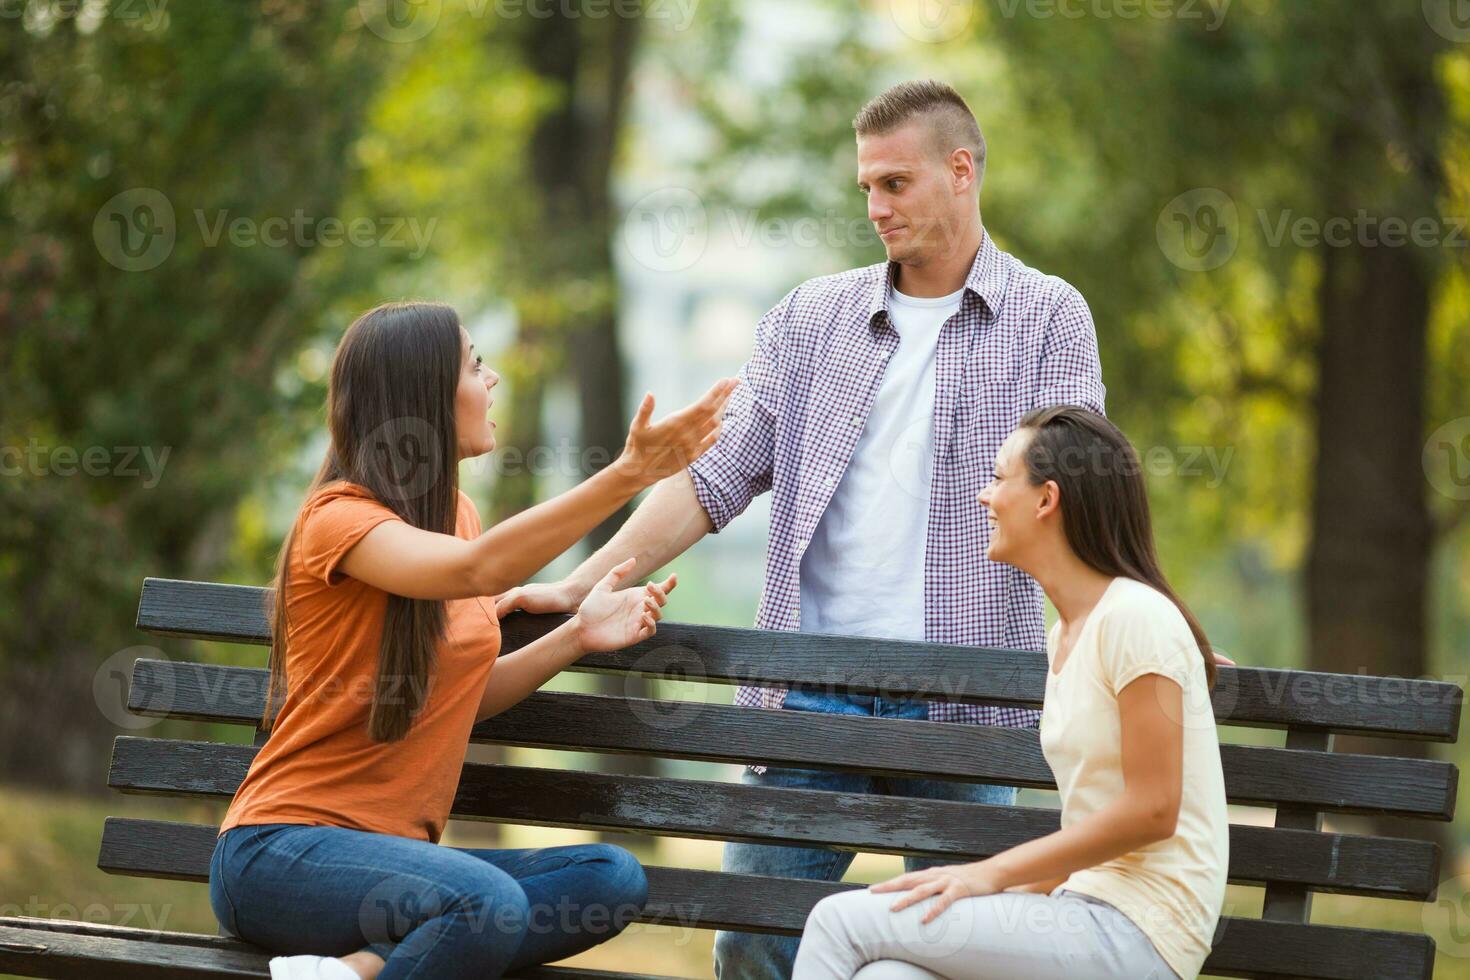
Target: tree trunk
pixel 1368 565
pixel 571 157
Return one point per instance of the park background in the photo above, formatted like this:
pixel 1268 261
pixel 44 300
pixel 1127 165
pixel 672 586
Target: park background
pixel 1263 201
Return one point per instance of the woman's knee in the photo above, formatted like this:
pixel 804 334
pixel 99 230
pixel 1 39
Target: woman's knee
pixel 829 916
pixel 623 882
pixel 893 970
pixel 485 919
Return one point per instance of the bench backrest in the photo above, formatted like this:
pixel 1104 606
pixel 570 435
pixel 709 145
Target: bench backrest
pixel 1292 859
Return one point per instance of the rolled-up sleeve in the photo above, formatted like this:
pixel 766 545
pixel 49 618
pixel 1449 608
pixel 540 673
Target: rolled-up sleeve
pixel 1071 373
pixel 737 468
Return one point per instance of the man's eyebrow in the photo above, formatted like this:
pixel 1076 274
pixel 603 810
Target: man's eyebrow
pixel 891 173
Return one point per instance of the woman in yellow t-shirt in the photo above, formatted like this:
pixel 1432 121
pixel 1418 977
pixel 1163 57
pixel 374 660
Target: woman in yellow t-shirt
pixel 1131 885
pixel 386 651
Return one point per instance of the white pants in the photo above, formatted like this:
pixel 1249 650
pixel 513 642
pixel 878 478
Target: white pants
pixel 853 936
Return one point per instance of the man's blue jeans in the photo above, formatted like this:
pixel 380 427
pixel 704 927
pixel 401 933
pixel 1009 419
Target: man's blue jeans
pixel 754 956
pixel 430 911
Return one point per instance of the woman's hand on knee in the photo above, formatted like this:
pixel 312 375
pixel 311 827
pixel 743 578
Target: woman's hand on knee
pixel 945 885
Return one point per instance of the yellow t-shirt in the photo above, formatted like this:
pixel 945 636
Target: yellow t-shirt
pixel 1171 889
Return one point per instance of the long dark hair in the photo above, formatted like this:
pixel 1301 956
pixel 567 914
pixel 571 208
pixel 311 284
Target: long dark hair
pixel 390 410
pixel 1104 501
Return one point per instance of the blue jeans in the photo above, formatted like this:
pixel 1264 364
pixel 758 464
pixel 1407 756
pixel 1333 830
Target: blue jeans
pixel 429 911
pixel 755 956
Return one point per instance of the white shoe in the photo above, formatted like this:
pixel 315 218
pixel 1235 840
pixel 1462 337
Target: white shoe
pixel 311 968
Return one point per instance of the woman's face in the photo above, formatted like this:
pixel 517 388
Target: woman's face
pixel 1012 502
pixel 472 401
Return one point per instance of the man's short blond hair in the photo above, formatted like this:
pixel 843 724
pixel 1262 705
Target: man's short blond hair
pixel 938 105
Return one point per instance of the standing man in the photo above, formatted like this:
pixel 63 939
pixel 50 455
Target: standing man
pixel 872 407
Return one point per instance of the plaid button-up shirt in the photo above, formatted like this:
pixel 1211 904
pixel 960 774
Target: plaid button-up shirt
pixel 1021 340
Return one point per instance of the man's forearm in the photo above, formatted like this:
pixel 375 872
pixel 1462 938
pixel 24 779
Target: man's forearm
pixel 663 527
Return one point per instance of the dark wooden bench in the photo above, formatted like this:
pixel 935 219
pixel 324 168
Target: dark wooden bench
pixel 1292 859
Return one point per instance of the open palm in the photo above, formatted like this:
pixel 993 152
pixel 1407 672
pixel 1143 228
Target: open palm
pixel 613 618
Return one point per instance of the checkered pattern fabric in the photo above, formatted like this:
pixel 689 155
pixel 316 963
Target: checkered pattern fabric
pixel 1020 340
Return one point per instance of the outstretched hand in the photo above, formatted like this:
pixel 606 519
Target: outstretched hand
pixel 612 617
pixel 658 449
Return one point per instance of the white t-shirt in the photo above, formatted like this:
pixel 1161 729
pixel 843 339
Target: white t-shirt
pixel 863 572
pixel 1172 890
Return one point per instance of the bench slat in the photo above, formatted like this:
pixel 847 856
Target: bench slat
pixel 707 899
pixel 1392 707
pixel 1256 775
pixel 85 950
pixel 847 821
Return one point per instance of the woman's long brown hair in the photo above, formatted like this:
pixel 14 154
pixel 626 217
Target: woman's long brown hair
pixel 390 411
pixel 1104 501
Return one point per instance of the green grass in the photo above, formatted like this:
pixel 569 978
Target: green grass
pixel 48 867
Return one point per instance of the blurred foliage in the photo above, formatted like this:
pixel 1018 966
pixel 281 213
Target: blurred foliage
pixel 235 110
pixel 270 107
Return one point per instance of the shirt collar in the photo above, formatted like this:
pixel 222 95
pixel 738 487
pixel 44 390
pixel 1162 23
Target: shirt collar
pixel 987 280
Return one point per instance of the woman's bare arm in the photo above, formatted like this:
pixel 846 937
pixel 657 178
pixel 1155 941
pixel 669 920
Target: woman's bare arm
pixel 1147 811
pixel 419 564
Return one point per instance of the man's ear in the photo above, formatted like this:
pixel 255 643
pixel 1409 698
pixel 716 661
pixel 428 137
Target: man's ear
pixel 961 170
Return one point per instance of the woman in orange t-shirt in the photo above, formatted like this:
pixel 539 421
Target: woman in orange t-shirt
pixel 384 639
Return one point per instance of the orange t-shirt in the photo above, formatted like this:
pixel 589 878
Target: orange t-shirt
pixel 319 766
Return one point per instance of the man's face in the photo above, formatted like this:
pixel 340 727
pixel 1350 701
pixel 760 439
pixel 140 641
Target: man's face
pixel 914 200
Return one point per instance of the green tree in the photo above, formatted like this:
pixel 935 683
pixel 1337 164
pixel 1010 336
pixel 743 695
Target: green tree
pixel 125 323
